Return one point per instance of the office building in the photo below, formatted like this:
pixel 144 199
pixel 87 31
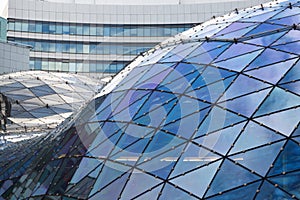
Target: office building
pixel 103 36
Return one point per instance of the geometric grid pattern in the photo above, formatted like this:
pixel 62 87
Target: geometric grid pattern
pixel 40 100
pixel 210 114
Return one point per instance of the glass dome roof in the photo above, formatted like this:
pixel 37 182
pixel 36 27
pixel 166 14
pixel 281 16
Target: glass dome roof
pixel 212 113
pixel 41 100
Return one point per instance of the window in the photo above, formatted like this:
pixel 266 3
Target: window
pixel 18 26
pixel 11 26
pixel 73 29
pixel 93 48
pixel 52 28
pixel 45 46
pixel 73 47
pixel 59 28
pixel 52 47
pixel 66 47
pixel 66 29
pixel 79 48
pixel 106 31
pixel 86 29
pixel 93 30
pixel 59 47
pixel 79 29
pixel 37 64
pixel 25 26
pixel 59 66
pixel 38 27
pixel 31 27
pixel 45 28
pixel 72 67
pixel 86 48
pixel 99 30
pixel 38 46
pixel 65 66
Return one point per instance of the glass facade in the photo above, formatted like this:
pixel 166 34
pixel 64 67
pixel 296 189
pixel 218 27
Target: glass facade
pixel 75 46
pixel 41 100
pixel 3 29
pixel 213 114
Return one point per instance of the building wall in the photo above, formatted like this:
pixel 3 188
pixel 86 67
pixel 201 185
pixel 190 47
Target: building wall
pixel 99 37
pixel 13 58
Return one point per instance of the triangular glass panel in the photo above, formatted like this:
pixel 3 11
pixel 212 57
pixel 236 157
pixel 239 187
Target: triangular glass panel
pixel 284 121
pixel 180 52
pixel 269 56
pixel 272 73
pixel 293 87
pixel 161 162
pixel 128 108
pixel 238 63
pixel 132 78
pixel 238 33
pixel 112 191
pixel 132 134
pixel 197 181
pixel 266 40
pixel 180 84
pixel 243 85
pixel 206 47
pixel 287 12
pixel 291 36
pixel 218 119
pixel 152 194
pixel 259 160
pixel 212 92
pixel 261 15
pixel 237 50
pixel 193 157
pixel 246 105
pixel 278 100
pixel 171 192
pixel 86 166
pixel 155 56
pixel 288 160
pixel 162 101
pixel 292 75
pixel 235 26
pixel 106 146
pixel 246 192
pixel 153 81
pixel 221 141
pixel 207 56
pixel 182 69
pixel 254 135
pixel 185 127
pixel 109 175
pixel 210 75
pixel 264 27
pixel 230 176
pixel 270 192
pixel 138 183
pixel 288 182
pixel 290 47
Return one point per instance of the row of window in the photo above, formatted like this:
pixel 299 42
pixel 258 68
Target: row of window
pixel 84 48
pixel 77 66
pixel 97 29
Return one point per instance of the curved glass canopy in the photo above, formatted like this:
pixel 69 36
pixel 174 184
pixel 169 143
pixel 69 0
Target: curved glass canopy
pixel 212 113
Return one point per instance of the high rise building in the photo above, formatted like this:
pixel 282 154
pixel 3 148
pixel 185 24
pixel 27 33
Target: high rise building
pixel 103 36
